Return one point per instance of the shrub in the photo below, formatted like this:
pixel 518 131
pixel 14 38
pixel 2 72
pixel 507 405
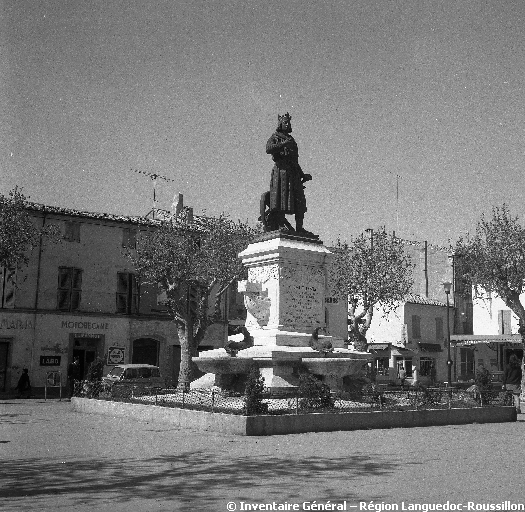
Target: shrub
pixel 314 393
pixel 254 394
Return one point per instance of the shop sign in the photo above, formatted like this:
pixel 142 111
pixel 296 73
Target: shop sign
pixel 50 360
pixel 11 323
pixel 85 325
pixel 115 355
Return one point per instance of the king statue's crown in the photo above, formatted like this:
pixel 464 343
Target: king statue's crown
pixel 284 117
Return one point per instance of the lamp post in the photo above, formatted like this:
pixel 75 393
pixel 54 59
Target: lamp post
pixel 447 286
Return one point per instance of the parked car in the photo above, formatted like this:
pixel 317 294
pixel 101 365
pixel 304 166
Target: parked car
pixel 130 379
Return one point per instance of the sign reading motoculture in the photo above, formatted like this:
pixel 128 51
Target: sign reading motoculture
pixel 50 360
pixel 115 355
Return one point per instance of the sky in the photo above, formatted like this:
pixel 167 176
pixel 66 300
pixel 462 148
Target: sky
pixel 409 114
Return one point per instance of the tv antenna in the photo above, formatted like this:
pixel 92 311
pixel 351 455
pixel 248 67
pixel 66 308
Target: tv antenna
pixel 154 177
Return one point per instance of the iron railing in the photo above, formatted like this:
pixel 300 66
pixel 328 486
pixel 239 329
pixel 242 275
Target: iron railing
pixel 370 399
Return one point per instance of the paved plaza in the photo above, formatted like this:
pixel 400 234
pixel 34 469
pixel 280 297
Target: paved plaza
pixel 53 458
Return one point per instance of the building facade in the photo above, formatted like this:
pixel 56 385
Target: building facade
pixel 81 298
pixel 414 335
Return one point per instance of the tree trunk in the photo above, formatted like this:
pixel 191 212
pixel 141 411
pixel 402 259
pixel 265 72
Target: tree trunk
pixel 185 370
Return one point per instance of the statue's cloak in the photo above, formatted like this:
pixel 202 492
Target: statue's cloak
pixel 286 184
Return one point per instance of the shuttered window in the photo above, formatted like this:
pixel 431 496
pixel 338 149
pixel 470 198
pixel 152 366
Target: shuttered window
pixel 439 329
pixel 7 287
pixel 416 326
pixel 69 288
pixel 129 238
pixel 504 321
pixel 127 293
pixel 72 232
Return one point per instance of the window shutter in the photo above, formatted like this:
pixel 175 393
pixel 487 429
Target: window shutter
pixel 8 287
pixel 416 326
pixel 439 329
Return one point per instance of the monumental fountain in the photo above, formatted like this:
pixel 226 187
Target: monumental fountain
pixel 284 294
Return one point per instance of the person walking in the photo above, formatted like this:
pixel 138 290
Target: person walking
pixel 402 375
pixel 512 380
pixel 24 385
pixel 73 374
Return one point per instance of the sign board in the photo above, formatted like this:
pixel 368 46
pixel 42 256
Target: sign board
pixel 115 355
pixel 53 379
pixel 50 360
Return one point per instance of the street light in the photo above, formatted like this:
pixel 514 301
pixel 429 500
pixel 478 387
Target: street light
pixel 447 287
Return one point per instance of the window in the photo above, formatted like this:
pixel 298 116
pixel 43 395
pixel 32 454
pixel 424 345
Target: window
pixel 129 238
pixel 425 365
pixel 416 326
pixel 72 232
pixel 466 364
pixel 439 329
pixel 69 288
pixel 504 321
pixel 127 293
pixel 7 287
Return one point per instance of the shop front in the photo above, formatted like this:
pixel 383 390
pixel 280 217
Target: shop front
pixel 491 351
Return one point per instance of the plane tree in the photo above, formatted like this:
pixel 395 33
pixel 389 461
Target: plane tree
pixel 372 271
pixel 19 234
pixel 493 260
pixel 193 264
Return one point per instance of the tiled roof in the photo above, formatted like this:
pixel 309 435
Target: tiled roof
pixel 143 221
pixel 419 299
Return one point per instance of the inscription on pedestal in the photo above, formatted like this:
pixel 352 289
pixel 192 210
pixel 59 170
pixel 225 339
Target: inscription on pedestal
pixel 302 296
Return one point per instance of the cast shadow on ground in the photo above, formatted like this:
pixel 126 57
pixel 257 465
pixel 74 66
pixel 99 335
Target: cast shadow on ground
pixel 197 478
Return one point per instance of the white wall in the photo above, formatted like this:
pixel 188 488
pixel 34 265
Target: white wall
pixel 485 314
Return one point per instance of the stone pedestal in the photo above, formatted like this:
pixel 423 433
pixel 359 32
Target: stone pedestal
pixel 285 290
pixel 285 301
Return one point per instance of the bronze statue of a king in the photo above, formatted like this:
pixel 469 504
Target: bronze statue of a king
pixel 286 195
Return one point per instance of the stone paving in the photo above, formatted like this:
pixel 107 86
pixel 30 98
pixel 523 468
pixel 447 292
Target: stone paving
pixel 55 459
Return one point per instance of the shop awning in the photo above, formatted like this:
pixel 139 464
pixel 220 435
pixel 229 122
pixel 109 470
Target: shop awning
pixel 430 347
pixel 405 352
pixel 463 340
pixel 378 346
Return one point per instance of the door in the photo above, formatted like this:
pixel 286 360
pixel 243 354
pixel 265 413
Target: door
pixel 81 354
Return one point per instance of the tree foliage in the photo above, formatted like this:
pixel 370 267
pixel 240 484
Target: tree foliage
pixel 18 233
pixel 372 271
pixel 493 259
pixel 190 263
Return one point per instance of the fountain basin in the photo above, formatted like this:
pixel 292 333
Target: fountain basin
pixel 223 365
pixel 335 367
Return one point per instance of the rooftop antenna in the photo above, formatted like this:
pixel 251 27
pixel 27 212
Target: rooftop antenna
pixel 154 177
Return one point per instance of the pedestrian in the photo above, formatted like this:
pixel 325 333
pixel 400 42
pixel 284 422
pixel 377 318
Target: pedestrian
pixel 402 375
pixel 512 380
pixel 73 375
pixel 24 384
pixel 433 374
